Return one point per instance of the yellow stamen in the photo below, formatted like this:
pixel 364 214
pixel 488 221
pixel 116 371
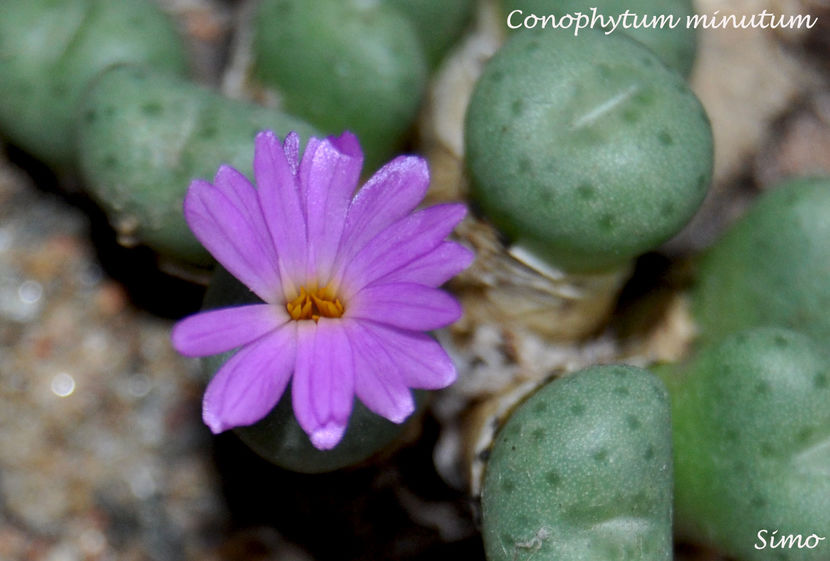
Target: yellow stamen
pixel 314 304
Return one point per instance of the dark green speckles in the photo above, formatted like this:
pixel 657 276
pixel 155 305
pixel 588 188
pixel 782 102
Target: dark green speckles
pixel 147 171
pixel 517 107
pixel 553 477
pixel 507 541
pixel 770 267
pixel 60 89
pixel 607 222
pixel 630 115
pixel 644 97
pixel 601 456
pixel 747 421
pixel 649 453
pixel 581 478
pixel 208 130
pixel 664 138
pixel 804 435
pixel 622 391
pixel 42 80
pixel 152 108
pixel 586 191
pixel 762 388
pixel 592 104
pixel 633 422
pixel 820 381
pixel 321 55
pixel 781 341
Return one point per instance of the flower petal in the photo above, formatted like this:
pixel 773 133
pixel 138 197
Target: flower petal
pixel 405 305
pixel 291 148
pixel 377 381
pixel 433 268
pixel 251 383
pixel 391 194
pixel 422 362
pixel 323 386
pixel 244 197
pixel 329 177
pixel 399 244
pixel 229 236
pixel 217 331
pixel 279 196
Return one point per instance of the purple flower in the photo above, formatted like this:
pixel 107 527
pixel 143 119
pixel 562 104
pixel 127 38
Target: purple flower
pixel 348 282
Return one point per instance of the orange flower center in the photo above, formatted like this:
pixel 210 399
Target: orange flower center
pixel 314 304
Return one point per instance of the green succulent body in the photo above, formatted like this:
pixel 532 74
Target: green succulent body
pixel 343 65
pixel 49 51
pixel 772 267
pixel 144 136
pixel 660 25
pixel 752 445
pixel 438 23
pixel 586 151
pixel 278 437
pixel 582 470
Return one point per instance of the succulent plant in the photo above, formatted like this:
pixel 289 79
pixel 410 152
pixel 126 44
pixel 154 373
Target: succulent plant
pixel 143 136
pixel 49 51
pixel 343 65
pixel 582 470
pixel 674 44
pixel 278 437
pixel 438 23
pixel 585 151
pixel 751 427
pixel 772 267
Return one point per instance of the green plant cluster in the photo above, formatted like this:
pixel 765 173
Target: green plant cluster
pixel 583 470
pixel 586 151
pixel 99 89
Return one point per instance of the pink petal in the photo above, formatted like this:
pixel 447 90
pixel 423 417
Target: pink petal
pixel 279 196
pixel 244 197
pixel 422 362
pixel 399 244
pixel 323 387
pixel 231 238
pixel 391 194
pixel 329 177
pixel 377 381
pixel 405 305
pixel 251 383
pixel 433 268
pixel 291 148
pixel 218 331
